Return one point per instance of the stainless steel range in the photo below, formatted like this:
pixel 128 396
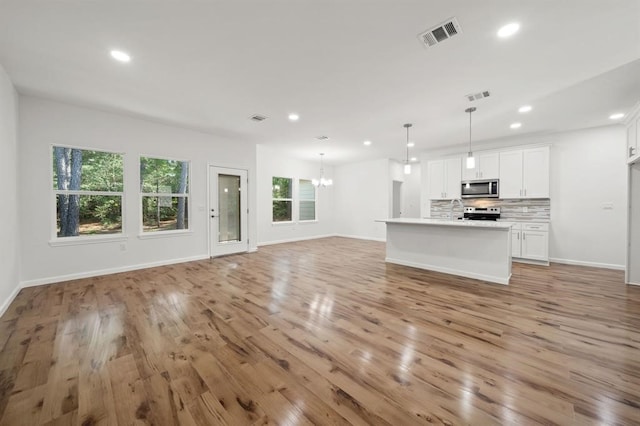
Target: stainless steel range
pixel 481 213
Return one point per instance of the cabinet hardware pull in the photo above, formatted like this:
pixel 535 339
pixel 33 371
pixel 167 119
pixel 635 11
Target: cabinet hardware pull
pixel 523 236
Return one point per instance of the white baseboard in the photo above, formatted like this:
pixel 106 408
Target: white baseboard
pixel 592 264
pixel 89 274
pixel 12 296
pixel 360 237
pixel 293 240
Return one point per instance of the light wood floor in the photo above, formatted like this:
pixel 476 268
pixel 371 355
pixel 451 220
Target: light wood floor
pixel 323 332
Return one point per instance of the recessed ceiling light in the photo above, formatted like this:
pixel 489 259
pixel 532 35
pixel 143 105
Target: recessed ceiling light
pixel 367 143
pixel 414 159
pixel 121 56
pixel 294 117
pixel 411 144
pixel 525 108
pixel 516 125
pixel 508 30
pixel 616 116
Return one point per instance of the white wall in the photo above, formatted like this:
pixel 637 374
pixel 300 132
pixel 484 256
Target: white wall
pixel 270 163
pixel 9 231
pixel 411 192
pixel 588 169
pixel 43 123
pixel 361 192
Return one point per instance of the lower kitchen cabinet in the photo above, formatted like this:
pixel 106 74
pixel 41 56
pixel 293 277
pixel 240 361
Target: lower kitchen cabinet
pixel 516 236
pixel 530 241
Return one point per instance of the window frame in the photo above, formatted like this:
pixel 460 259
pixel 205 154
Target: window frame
pixel 300 200
pixel 169 232
pixel 54 239
pixel 283 222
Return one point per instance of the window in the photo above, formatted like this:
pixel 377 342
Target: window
pixel 307 198
pixel 88 187
pixel 164 187
pixel 282 199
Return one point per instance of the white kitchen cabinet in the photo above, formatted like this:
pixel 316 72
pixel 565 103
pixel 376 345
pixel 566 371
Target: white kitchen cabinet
pixel 511 174
pixel 487 166
pixel 530 241
pixel 535 245
pixel 445 177
pixel 524 173
pixel 516 237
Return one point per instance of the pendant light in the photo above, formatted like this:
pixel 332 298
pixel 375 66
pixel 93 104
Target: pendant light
pixel 407 165
pixel 471 161
pixel 322 182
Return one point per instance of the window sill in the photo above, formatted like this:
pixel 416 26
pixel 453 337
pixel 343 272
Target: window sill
pixel 83 240
pixel 290 223
pixel 308 222
pixel 164 234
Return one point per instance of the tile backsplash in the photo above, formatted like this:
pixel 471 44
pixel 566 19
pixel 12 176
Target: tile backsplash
pixel 537 209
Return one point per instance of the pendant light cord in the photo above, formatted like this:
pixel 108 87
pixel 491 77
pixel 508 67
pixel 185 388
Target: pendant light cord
pixel 407 126
pixel 407 145
pixel 470 110
pixel 470 130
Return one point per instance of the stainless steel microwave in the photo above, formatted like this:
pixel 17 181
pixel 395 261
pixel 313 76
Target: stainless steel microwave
pixel 480 189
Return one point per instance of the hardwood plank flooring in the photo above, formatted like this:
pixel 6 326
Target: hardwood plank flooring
pixel 322 332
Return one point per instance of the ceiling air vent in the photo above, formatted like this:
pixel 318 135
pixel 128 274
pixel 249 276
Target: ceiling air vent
pixel 257 118
pixel 440 33
pixel 322 138
pixel 476 96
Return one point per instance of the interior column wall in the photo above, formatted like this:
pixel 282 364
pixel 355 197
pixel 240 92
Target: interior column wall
pixel 362 193
pixel 9 218
pixel 633 255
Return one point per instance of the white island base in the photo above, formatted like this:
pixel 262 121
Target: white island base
pixel 473 249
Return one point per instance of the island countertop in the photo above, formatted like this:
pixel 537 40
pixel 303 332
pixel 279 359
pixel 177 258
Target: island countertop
pixel 449 222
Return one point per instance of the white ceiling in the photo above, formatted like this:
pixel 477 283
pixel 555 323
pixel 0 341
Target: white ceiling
pixel 353 69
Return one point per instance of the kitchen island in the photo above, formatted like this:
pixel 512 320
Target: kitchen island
pixel 473 249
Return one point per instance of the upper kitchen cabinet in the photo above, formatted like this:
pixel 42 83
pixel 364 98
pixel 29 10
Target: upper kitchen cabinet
pixel 487 167
pixel 525 173
pixel 444 178
pixel 633 135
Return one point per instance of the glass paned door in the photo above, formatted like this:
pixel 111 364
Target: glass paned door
pixel 227 211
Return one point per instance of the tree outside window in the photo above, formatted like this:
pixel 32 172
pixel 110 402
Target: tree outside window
pixel 88 186
pixel 164 185
pixel 282 199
